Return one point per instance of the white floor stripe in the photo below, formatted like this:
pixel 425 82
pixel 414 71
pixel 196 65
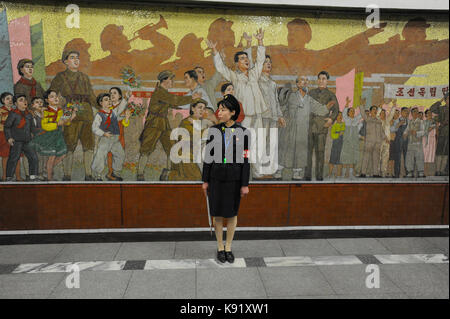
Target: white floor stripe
pixel 173 264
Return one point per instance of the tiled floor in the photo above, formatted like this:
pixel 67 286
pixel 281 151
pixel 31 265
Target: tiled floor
pixel 303 268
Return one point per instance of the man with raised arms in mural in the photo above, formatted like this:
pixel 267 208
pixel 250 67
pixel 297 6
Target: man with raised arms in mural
pixel 76 89
pixel 246 83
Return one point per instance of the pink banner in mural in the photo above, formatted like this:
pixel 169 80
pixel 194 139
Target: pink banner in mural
pixel 345 86
pixel 20 42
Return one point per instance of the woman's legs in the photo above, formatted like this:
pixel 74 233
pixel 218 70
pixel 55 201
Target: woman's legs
pixel 58 160
pixel 330 170
pixel 4 161
pixel 339 170
pixel 218 228
pixel 50 164
pixel 231 228
pixel 18 177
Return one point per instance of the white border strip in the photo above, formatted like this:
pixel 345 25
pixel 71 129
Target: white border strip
pixel 205 229
pixel 384 4
pixel 418 181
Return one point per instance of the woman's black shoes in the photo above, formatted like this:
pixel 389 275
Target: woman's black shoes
pixel 229 256
pixel 221 256
pixel 224 256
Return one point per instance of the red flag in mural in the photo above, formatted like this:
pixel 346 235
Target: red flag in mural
pixel 20 42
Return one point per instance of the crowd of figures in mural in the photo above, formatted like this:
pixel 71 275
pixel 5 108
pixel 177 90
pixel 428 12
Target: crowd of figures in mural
pixel 319 136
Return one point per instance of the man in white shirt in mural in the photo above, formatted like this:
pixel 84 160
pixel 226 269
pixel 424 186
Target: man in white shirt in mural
pixel 275 117
pixel 246 83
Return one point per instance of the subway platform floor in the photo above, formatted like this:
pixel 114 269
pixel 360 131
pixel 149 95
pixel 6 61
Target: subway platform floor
pixel 330 268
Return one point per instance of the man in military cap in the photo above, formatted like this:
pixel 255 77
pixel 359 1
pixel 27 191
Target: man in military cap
pixel 75 88
pixel 27 85
pixel 82 47
pixel 156 127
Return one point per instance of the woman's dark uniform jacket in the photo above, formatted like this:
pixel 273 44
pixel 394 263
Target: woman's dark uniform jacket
pixel 226 179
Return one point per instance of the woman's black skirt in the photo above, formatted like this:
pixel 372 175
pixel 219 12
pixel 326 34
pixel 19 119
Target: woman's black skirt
pixel 224 198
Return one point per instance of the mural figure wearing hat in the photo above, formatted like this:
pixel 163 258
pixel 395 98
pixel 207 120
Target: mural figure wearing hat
pixel 142 61
pixel 75 87
pixel 397 55
pixel 189 52
pixel 157 127
pixel 220 32
pixel 295 58
pixel 27 85
pixel 79 45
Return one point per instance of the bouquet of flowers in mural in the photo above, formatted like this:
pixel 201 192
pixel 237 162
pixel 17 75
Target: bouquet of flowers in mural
pixel 129 77
pixel 69 108
pixel 137 109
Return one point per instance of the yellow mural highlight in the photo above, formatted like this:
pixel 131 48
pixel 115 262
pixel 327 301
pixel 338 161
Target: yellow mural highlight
pixel 326 31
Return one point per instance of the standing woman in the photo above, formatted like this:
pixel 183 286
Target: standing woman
pixel 337 135
pixel 226 176
pixel 429 140
pixel 6 100
pixel 51 142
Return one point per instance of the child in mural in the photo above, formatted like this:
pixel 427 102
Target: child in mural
pixel 50 141
pixel 18 128
pixel 226 182
pixel 414 155
pixel 429 141
pixel 156 127
pixel 106 126
pixel 117 100
pixel 37 110
pixel 293 138
pixel 7 100
pixel 319 124
pixel 189 171
pixel 76 90
pixel 27 85
pixel 400 142
pixel 350 148
pixel 337 135
pixel 372 143
pixel 442 112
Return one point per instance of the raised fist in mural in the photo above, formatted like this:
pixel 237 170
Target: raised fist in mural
pixel 374 31
pixel 259 36
pixel 212 46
